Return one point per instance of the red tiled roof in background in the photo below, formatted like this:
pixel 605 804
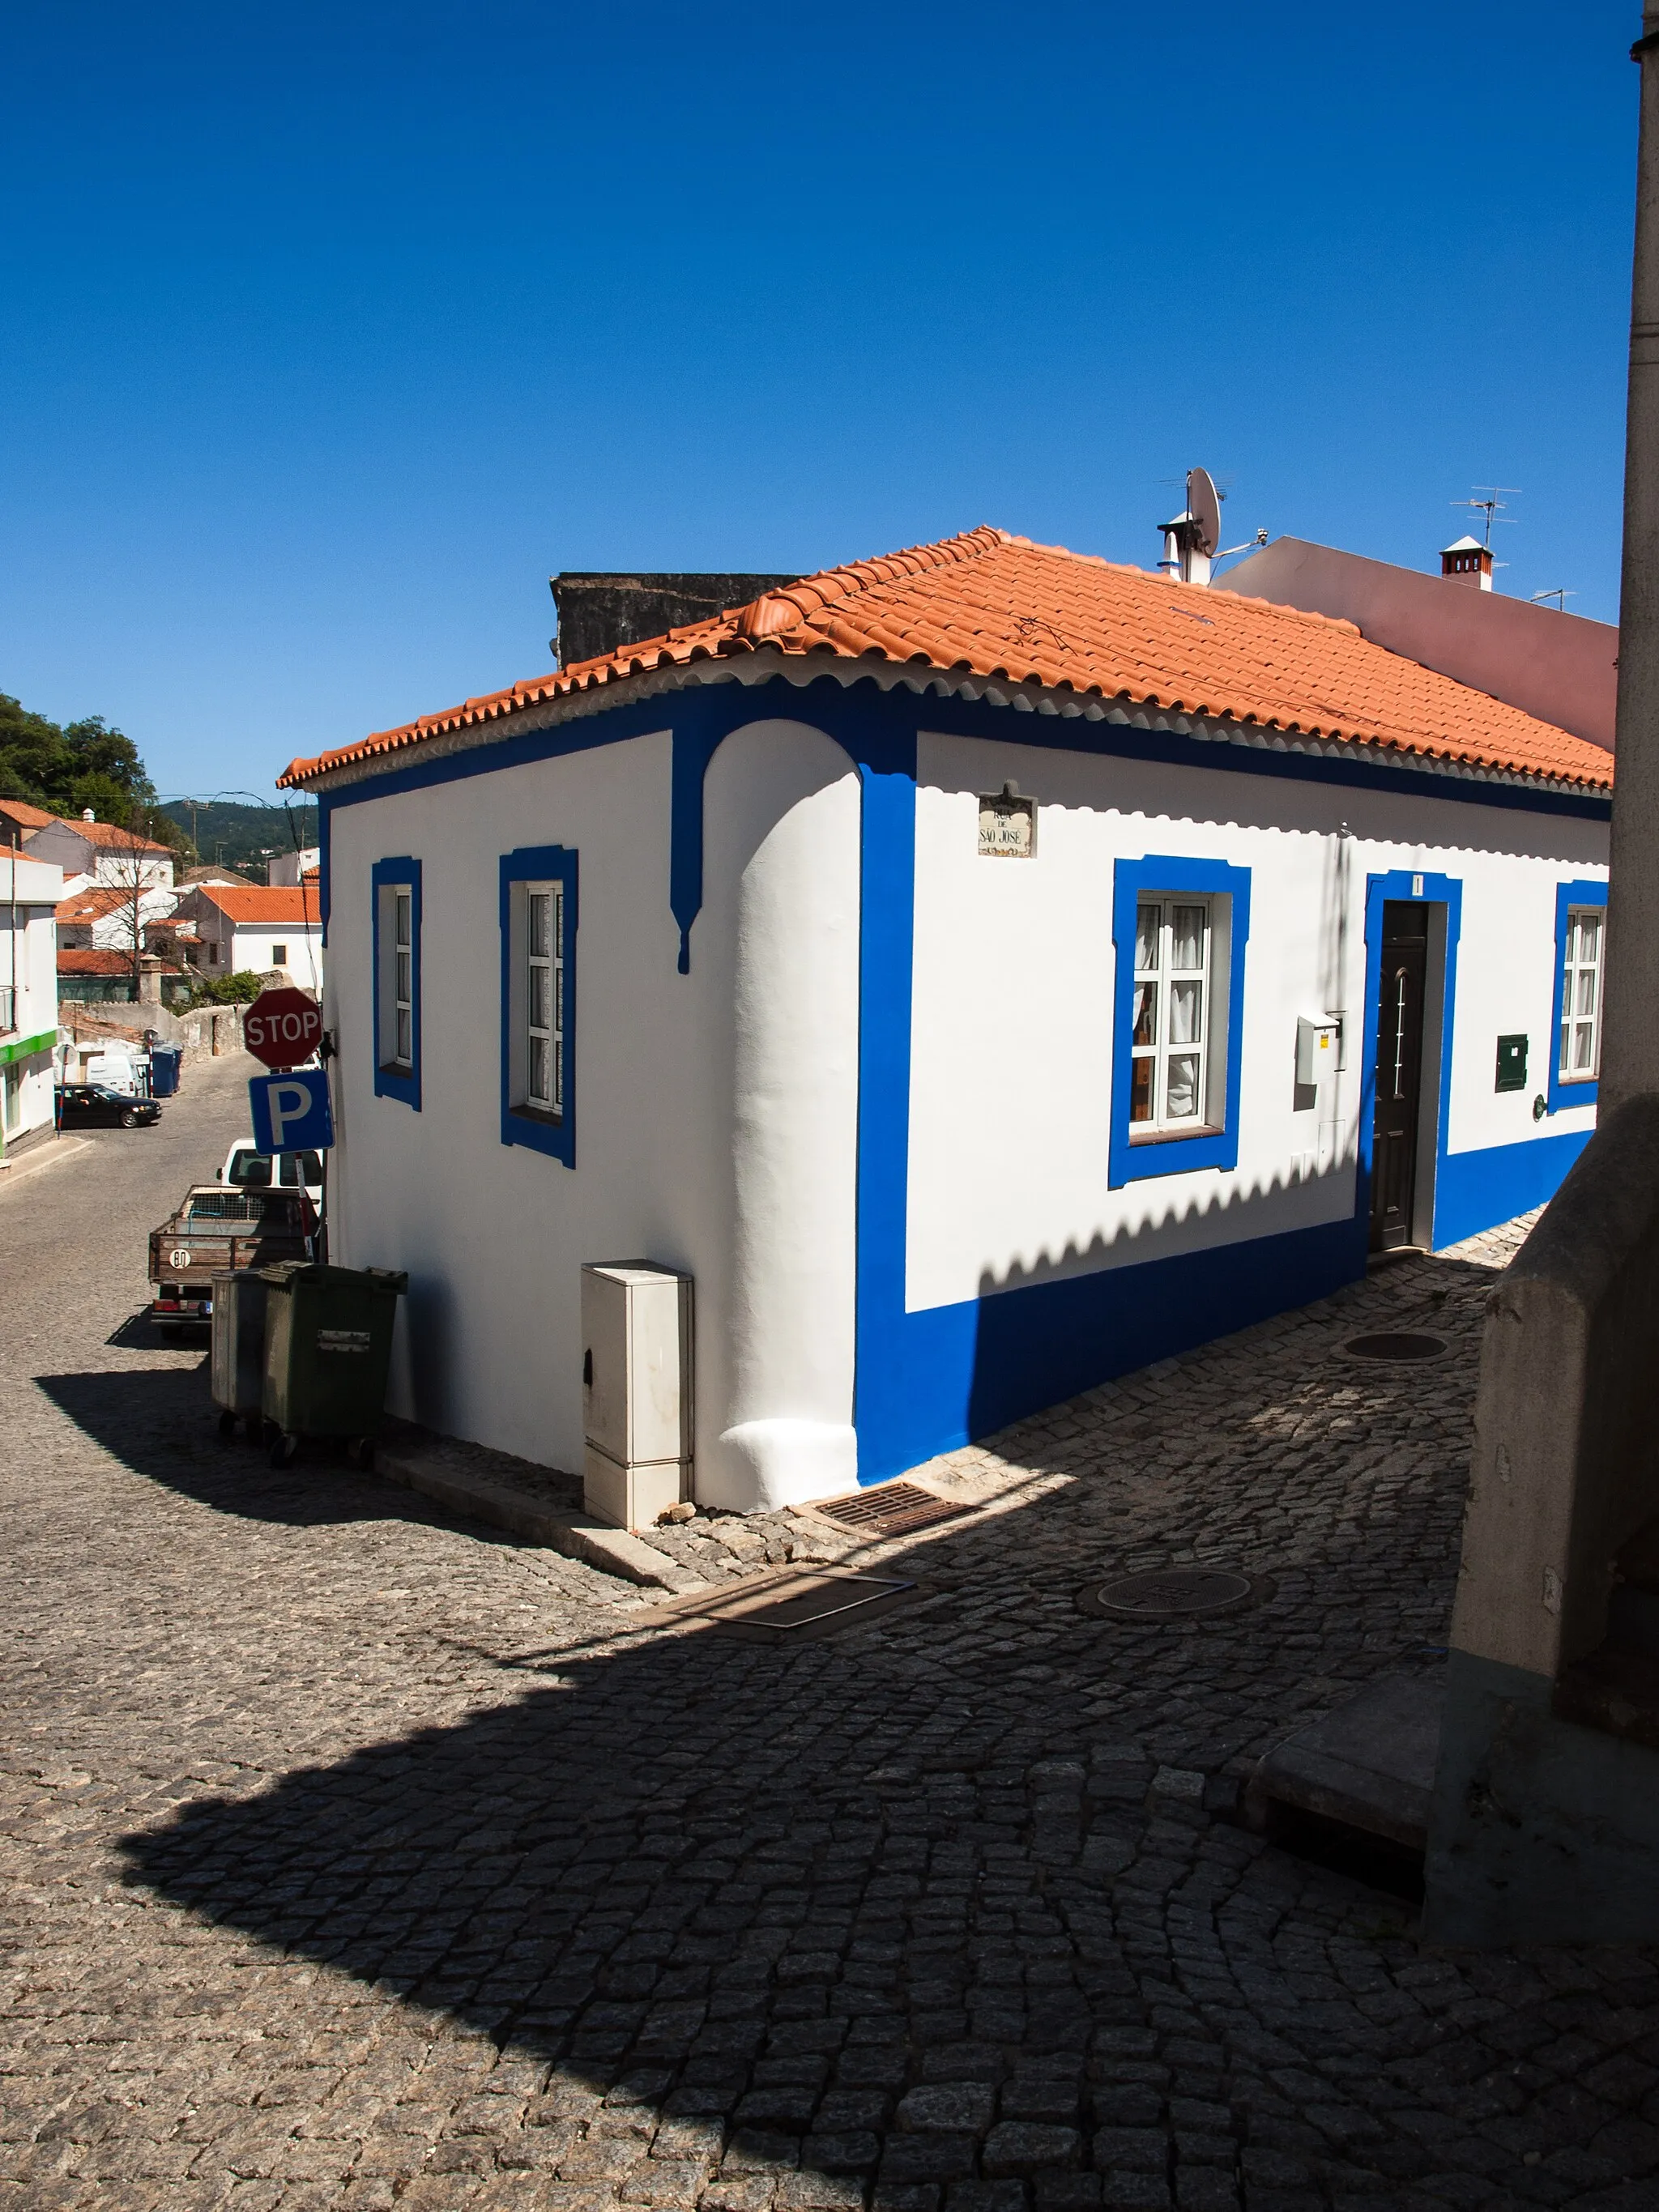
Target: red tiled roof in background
pixel 999 607
pixel 248 905
pixel 84 960
pixel 99 900
pixel 24 816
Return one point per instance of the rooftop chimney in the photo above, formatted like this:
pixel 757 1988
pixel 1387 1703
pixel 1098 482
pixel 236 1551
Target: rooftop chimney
pixel 1467 561
pixel 86 814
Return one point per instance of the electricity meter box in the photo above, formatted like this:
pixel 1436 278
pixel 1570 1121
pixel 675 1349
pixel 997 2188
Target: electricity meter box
pixel 1317 1049
pixel 636 1390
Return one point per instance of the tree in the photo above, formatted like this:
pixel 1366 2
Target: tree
pixel 85 763
pixel 128 867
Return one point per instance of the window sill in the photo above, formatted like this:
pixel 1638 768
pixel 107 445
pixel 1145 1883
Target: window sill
pixel 542 1116
pixel 1174 1136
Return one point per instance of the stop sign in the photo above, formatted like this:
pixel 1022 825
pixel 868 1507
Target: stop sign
pixel 282 1028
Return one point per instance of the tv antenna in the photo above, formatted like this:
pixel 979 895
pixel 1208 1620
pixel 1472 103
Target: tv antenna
pixel 1554 592
pixel 1491 506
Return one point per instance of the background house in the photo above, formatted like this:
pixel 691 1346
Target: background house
pixel 29 891
pixel 93 852
pixel 108 917
pixel 984 970
pixel 255 927
pixel 291 868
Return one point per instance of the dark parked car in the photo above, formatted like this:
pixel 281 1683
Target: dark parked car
pixel 95 1106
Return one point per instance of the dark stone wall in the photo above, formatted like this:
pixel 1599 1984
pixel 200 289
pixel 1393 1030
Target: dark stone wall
pixel 598 611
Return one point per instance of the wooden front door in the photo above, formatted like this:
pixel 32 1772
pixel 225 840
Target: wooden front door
pixel 1399 1071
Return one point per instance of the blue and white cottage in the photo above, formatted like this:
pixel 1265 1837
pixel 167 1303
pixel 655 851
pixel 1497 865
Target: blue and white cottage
pixel 983 970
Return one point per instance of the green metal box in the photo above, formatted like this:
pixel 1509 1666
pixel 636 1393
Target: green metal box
pixel 328 1346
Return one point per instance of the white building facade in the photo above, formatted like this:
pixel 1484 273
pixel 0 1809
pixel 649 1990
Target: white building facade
pixel 970 1034
pixel 255 929
pixel 29 892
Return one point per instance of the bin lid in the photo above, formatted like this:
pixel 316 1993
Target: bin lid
pixel 289 1274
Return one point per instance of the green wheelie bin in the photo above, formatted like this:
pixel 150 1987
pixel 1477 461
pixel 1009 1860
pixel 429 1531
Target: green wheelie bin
pixel 328 1346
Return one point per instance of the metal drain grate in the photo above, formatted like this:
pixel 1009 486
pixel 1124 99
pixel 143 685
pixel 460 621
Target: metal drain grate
pixel 1398 1346
pixel 891 1509
pixel 789 1603
pixel 1175 1593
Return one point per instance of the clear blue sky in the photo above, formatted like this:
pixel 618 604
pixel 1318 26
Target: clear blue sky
pixel 332 330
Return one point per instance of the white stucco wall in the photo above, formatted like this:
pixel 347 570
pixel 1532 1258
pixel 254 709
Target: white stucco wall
pixel 1011 1048
pixel 29 891
pixel 763 1030
pixel 254 949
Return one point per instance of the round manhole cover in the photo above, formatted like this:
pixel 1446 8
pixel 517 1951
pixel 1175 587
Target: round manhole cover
pixel 1397 1345
pixel 1174 1593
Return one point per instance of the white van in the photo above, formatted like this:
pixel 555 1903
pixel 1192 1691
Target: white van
pixel 249 1169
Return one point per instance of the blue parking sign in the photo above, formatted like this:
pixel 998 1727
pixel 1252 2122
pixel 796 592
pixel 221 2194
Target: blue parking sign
pixel 291 1112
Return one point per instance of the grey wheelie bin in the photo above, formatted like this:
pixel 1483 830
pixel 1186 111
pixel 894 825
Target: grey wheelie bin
pixel 328 1346
pixel 238 1364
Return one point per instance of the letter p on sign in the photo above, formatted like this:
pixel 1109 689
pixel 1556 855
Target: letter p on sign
pixel 291 1112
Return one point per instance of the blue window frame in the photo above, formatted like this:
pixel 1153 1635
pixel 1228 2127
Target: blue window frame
pixel 1570 899
pixel 395 886
pixel 1223 893
pixel 539 1000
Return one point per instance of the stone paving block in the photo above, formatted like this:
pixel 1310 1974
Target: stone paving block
pixel 1029 2148
pixel 947 2108
pixel 412 1833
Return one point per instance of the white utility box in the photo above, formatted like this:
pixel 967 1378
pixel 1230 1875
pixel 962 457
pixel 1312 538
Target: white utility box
pixel 1317 1049
pixel 636 1390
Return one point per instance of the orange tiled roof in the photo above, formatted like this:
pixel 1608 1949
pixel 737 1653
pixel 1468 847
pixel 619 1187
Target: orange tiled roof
pixel 99 900
pixel 995 607
pixel 24 816
pixel 250 904
pixel 82 960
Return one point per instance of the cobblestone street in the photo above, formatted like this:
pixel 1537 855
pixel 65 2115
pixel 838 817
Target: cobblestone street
pixel 353 1857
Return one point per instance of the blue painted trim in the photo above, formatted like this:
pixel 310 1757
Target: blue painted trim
pixel 1130 1162
pixel 961 1372
pixel 1475 1191
pixel 976 718
pixel 324 859
pixel 1584 892
pixel 540 1132
pixel 388 1082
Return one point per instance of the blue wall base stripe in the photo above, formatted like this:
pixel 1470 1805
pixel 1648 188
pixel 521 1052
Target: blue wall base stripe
pixel 1475 1191
pixel 956 1373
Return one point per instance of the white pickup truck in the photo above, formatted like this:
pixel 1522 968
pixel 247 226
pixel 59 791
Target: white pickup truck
pixel 246 1168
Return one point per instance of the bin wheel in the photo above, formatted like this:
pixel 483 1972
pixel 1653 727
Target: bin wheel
pixel 360 1452
pixel 254 1428
pixel 227 1425
pixel 283 1448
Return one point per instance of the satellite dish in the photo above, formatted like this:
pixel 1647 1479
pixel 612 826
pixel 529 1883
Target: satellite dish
pixel 1204 505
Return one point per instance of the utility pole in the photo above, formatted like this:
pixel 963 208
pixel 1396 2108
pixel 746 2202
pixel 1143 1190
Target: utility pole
pixel 1630 1025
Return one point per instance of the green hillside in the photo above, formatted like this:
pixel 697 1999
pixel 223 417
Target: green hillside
pixel 244 837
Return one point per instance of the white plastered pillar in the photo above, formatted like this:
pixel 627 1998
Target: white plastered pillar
pixel 781 872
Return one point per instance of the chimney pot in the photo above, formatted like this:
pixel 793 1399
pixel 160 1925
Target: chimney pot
pixel 86 814
pixel 1467 561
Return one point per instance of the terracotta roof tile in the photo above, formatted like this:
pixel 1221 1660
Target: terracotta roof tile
pixel 1003 608
pixel 251 904
pixel 83 960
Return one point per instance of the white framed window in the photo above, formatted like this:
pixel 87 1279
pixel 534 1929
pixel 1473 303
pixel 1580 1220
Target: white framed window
pixel 397 977
pixel 1172 1019
pixel 397 889
pixel 1579 1049
pixel 543 999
